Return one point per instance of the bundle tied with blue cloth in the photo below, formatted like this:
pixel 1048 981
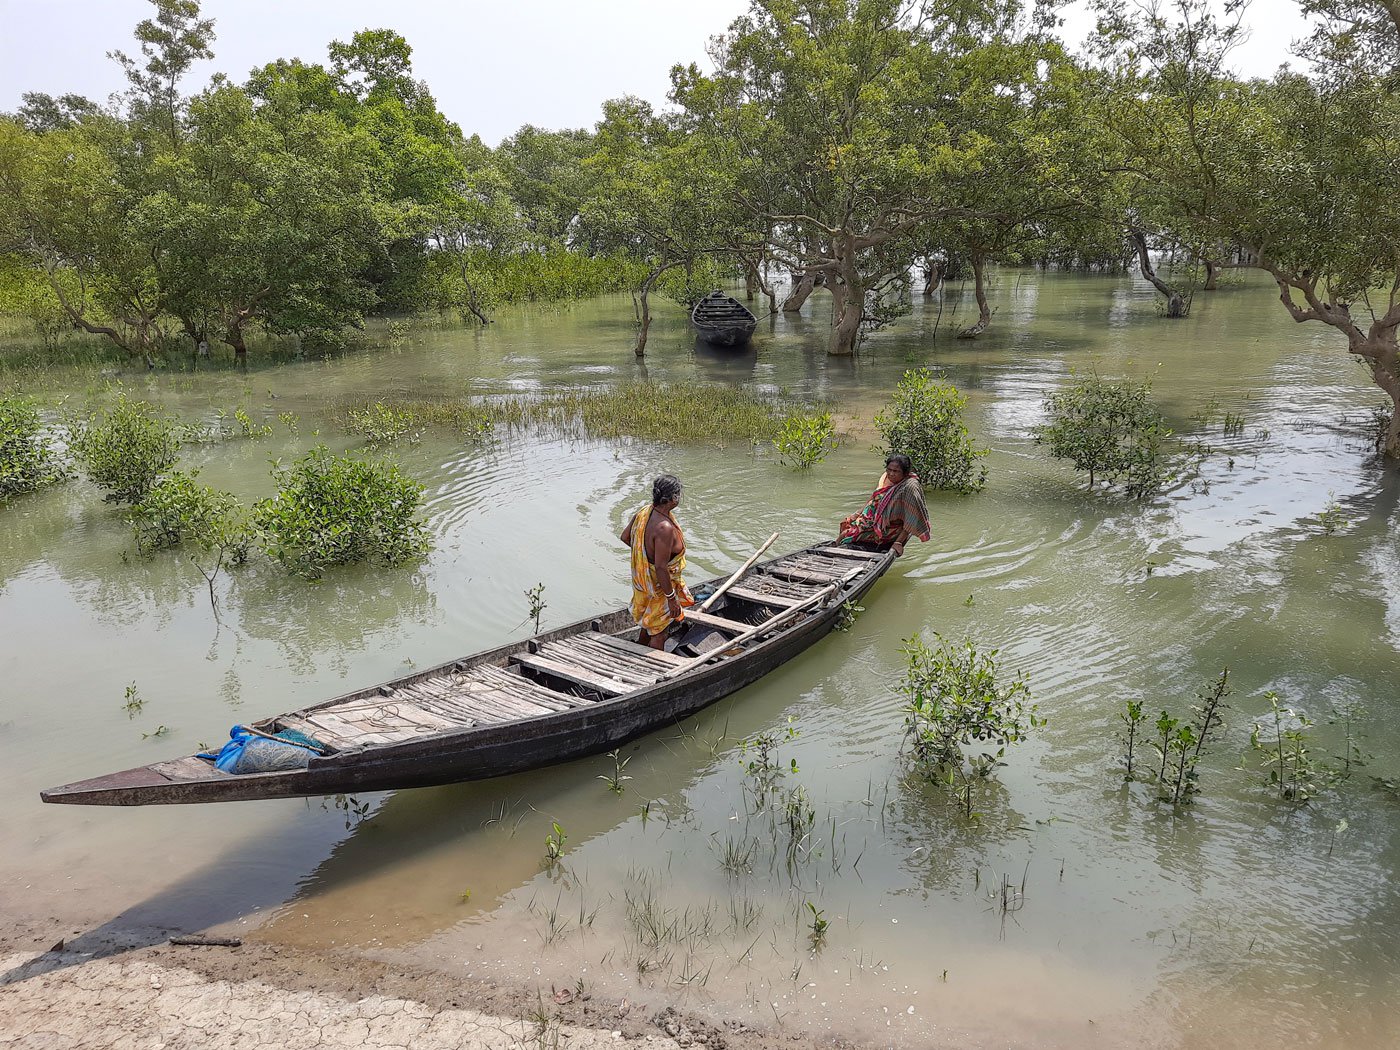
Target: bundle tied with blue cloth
pixel 250 751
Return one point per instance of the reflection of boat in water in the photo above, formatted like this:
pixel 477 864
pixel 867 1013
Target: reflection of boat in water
pixel 575 691
pixel 723 320
pixel 724 364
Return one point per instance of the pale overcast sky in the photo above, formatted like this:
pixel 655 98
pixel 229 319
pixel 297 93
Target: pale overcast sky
pixel 493 66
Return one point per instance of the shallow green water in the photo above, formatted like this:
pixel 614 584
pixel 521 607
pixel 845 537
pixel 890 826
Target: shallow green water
pixel 1238 922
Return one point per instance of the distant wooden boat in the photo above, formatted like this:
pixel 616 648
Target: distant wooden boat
pixel 723 320
pixel 579 690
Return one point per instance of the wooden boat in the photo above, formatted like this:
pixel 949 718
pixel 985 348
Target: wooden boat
pixel 723 320
pixel 579 690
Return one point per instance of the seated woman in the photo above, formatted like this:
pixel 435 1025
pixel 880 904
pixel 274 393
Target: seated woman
pixel 895 512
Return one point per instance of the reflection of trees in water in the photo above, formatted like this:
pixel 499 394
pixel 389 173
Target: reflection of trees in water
pixel 121 587
pixel 37 525
pixel 316 624
pixel 943 846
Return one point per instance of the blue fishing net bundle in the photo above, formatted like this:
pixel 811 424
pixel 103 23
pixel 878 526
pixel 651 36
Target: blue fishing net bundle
pixel 246 752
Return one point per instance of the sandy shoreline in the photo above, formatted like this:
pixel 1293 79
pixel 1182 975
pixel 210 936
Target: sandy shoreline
pixel 114 993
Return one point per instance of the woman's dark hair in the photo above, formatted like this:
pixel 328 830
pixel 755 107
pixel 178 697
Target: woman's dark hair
pixel 900 460
pixel 664 489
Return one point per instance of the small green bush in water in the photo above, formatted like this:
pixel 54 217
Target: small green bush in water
pixel 126 447
pixel 178 508
pixel 957 712
pixel 336 510
pixel 805 440
pixel 26 462
pixel 1113 431
pixel 381 424
pixel 924 421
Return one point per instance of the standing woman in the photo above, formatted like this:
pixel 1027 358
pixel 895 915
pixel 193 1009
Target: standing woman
pixel 658 557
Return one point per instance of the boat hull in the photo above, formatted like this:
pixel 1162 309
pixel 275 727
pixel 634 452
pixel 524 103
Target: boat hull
pixel 483 752
pixel 722 320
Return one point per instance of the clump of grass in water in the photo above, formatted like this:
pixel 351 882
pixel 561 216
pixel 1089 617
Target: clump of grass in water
pixel 388 420
pixel 683 413
pixel 818 926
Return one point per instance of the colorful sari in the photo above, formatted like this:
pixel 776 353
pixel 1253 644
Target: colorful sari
pixel 891 510
pixel 648 604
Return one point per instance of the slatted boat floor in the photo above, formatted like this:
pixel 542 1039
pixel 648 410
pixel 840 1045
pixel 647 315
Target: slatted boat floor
pixel 772 590
pixel 481 695
pixel 606 665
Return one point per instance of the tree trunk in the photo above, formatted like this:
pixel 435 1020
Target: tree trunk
pixel 472 303
pixel 933 278
pixel 984 311
pixel 1383 357
pixel 1176 302
pixel 643 320
pixel 1379 347
pixel 751 281
pixel 847 308
pixel 642 308
pixel 76 313
pixel 802 286
pixel 234 338
pixel 1211 275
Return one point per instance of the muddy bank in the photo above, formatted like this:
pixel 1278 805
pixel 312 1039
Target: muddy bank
pixel 256 995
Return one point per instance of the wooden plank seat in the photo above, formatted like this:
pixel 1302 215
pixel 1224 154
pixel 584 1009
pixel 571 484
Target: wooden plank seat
pixel 517 685
pixel 809 574
pixel 568 671
pixel 719 623
pixel 765 589
pixel 598 662
pixel 847 552
pixel 626 645
pixel 777 601
pixel 822 563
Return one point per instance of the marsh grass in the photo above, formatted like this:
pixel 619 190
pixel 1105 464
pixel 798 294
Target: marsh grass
pixel 681 413
pixel 736 855
pixel 556 925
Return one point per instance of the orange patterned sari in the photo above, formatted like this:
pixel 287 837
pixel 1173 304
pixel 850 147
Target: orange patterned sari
pixel 648 604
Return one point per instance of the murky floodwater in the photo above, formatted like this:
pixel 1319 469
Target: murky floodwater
pixel 1238 922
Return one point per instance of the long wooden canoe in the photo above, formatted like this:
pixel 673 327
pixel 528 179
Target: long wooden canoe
pixel 722 320
pixel 579 690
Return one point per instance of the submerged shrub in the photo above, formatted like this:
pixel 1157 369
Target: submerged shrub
pixel 959 718
pixel 126 447
pixel 924 421
pixel 805 440
pixel 337 510
pixel 178 508
pixel 26 461
pixel 1113 431
pixel 1179 742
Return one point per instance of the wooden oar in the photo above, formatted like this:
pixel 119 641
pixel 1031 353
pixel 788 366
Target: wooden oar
pixel 705 606
pixel 763 628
